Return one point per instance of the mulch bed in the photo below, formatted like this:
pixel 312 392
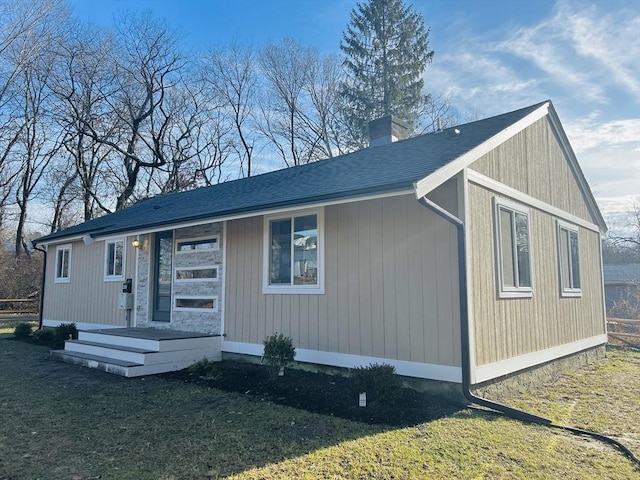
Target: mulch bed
pixel 318 392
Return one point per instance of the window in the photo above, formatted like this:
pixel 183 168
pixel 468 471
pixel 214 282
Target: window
pixel 569 258
pixel 513 250
pixel 197 244
pixel 114 260
pixel 63 264
pixel 195 303
pixel 197 274
pixel 293 254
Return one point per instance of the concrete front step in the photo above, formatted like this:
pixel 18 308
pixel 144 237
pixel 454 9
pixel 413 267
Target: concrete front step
pixel 119 367
pixel 137 355
pixel 136 352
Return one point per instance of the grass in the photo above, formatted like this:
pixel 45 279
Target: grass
pixel 61 421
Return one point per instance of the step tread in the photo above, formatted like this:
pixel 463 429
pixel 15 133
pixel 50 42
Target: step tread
pixel 97 358
pixel 112 346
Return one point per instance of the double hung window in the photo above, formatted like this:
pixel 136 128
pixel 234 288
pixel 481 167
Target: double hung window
pixel 513 248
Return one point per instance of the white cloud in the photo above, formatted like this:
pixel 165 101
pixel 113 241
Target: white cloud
pixel 588 133
pixel 584 57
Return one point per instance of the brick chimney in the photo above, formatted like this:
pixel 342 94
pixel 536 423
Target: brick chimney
pixel 386 130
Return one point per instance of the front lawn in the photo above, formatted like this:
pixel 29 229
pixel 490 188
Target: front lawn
pixel 61 421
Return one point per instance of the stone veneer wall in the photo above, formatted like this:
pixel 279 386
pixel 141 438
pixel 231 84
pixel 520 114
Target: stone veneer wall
pixel 191 321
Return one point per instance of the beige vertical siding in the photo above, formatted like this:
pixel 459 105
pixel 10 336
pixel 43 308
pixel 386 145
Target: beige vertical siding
pixel 87 298
pixel 509 327
pixel 391 288
pixel 533 162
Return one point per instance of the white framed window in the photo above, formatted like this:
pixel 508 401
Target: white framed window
pixel 198 244
pixel 513 249
pixel 114 258
pixel 569 260
pixel 196 303
pixel 294 253
pixel 196 274
pixel 63 264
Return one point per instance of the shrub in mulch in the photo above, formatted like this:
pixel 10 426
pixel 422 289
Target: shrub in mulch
pixel 318 392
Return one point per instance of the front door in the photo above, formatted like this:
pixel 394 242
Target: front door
pixel 163 251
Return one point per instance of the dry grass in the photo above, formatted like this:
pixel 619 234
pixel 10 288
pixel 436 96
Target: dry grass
pixel 65 422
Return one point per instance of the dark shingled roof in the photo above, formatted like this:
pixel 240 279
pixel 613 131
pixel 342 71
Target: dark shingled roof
pixel 372 170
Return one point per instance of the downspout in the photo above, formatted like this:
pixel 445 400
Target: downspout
pixel 44 277
pixel 465 348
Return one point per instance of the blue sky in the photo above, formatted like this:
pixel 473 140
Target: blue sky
pixel 491 56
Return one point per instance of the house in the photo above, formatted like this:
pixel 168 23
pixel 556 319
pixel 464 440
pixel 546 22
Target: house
pixel 622 287
pixel 467 255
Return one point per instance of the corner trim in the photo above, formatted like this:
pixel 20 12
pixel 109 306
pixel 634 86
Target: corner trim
pixel 429 371
pixel 504 367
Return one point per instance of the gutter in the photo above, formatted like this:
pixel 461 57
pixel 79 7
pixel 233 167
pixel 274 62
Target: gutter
pixel 496 407
pixel 44 277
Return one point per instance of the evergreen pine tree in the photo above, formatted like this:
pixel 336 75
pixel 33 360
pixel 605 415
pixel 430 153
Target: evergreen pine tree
pixel 386 49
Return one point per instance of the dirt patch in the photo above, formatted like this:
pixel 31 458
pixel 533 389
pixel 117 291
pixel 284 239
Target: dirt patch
pixel 320 393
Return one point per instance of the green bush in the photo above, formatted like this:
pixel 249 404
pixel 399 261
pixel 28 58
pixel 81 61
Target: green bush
pixel 379 381
pixel 205 368
pixel 44 336
pixel 22 331
pixel 63 332
pixel 278 352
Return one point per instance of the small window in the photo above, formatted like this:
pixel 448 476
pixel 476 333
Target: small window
pixel 569 258
pixel 114 260
pixel 513 248
pixel 293 254
pixel 63 264
pixel 197 274
pixel 197 244
pixel 198 304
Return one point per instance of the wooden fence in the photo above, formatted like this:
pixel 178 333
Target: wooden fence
pixel 624 329
pixel 12 306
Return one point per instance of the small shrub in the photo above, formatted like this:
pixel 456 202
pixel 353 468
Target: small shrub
pixel 379 381
pixel 44 336
pixel 22 331
pixel 205 368
pixel 278 352
pixel 63 332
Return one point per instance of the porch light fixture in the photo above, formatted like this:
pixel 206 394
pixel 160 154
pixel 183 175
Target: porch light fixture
pixel 136 242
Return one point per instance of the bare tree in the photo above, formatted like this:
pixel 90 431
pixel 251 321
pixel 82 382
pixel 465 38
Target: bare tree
pixel 285 68
pixel 82 82
pixel 191 138
pixel 36 146
pixel 622 244
pixel 230 72
pixel 26 31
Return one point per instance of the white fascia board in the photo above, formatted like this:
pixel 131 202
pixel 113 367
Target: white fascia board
pixel 575 168
pixel 444 373
pixel 490 371
pixel 255 213
pixel 427 184
pixel 501 188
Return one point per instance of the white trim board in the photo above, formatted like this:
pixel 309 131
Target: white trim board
pixel 208 220
pixel 435 179
pixel 444 373
pixel 501 188
pixel 504 367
